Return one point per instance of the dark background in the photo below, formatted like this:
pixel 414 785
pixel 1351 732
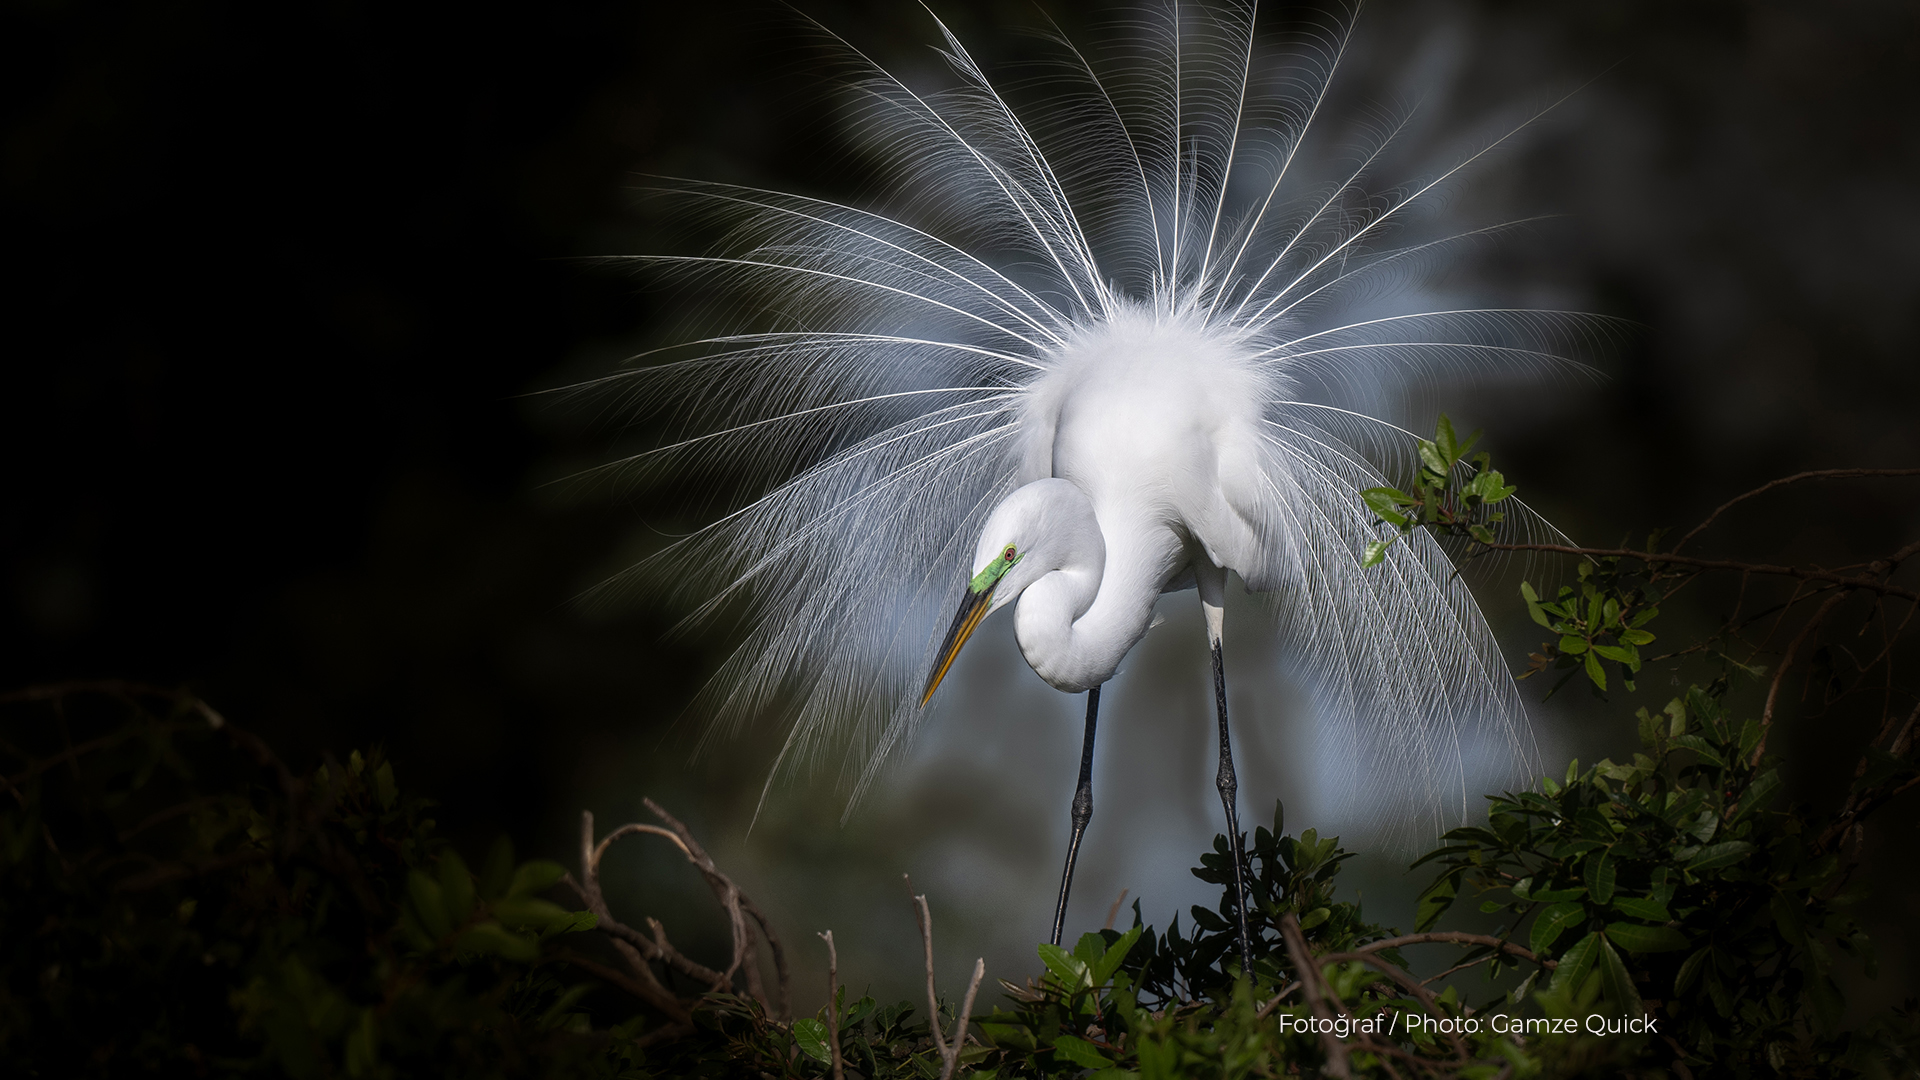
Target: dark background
pixel 281 276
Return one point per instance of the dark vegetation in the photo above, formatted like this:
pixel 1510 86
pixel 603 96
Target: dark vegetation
pixel 178 901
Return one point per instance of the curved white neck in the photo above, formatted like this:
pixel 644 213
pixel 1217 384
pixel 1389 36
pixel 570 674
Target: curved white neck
pixel 1077 623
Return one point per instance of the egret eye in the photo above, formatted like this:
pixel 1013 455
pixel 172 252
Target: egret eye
pixel 1009 554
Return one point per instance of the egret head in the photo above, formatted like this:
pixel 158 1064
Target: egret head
pixel 1046 526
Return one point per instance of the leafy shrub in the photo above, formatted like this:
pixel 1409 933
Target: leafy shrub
pixel 175 900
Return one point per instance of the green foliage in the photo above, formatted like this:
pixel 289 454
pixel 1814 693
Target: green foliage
pixel 1134 1004
pixel 1601 624
pixel 1452 494
pixel 1674 881
pixel 176 901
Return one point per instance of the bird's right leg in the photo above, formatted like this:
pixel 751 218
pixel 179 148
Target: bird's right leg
pixel 1212 581
pixel 1082 812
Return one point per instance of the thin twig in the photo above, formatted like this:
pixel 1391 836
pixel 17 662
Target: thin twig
pixel 1274 1002
pixel 626 941
pixel 1805 574
pixel 1816 474
pixel 1114 911
pixel 686 965
pixel 949 1050
pixel 1456 937
pixel 654 995
pixel 924 919
pixel 1338 1065
pixel 736 901
pixel 1407 981
pixel 1779 675
pixel 833 1005
pixel 966 1013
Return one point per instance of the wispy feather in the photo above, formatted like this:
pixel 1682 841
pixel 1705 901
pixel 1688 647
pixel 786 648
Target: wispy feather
pixel 884 386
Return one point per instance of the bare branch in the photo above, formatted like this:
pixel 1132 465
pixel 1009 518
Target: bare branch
pixel 949 1050
pixel 1780 674
pixel 652 993
pixel 1803 573
pixel 1817 474
pixel 665 952
pixel 1338 1064
pixel 924 918
pixel 966 1012
pixel 1455 937
pixel 833 1005
pixel 1408 982
pixel 736 903
pixel 1274 1002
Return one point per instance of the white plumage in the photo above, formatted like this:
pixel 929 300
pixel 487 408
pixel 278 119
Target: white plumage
pixel 1110 325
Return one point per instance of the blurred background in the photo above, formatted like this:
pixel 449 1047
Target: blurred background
pixel 284 281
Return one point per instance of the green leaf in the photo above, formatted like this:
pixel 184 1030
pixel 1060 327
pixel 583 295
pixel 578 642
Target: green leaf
pixel 1599 877
pixel 1635 637
pixel 1115 955
pixel 1690 969
pixel 456 888
pixel 1376 552
pixel 1480 533
pixel 1618 654
pixel 535 876
pixel 1700 746
pixel 1759 793
pixel 1552 896
pixel 383 788
pixel 1446 442
pixel 1573 646
pixel 1386 502
pixel 1015 1035
pixel 1519 993
pixel 1575 963
pixel 490 938
pixel 1595 673
pixel 1715 856
pixel 428 907
pixel 1551 923
pixel 1615 983
pixel 1649 910
pixel 1066 967
pixel 1490 486
pixel 1080 1052
pixel 527 913
pixel 812 1036
pixel 1644 939
pixel 1533 605
pixel 1434 903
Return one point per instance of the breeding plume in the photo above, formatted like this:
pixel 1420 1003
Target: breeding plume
pixel 1093 349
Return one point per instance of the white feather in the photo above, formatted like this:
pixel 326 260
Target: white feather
pixel 906 368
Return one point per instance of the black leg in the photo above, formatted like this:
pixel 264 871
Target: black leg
pixel 1229 787
pixel 1082 812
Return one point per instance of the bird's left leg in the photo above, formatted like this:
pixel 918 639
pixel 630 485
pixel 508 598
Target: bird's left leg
pixel 1082 813
pixel 1212 581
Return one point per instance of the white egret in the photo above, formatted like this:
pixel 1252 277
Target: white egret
pixel 1098 348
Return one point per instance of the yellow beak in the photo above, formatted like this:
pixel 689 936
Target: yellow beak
pixel 972 610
